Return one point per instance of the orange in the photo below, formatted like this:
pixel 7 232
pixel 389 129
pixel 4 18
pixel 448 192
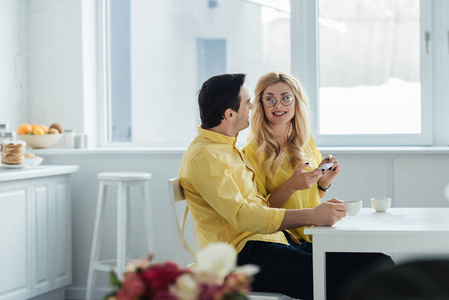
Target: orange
pixel 33 126
pixel 24 128
pixel 45 128
pixel 38 131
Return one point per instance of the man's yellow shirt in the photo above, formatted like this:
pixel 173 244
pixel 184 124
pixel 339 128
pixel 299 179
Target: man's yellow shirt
pixel 221 191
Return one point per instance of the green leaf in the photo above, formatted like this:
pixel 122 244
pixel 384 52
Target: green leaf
pixel 113 279
pixel 235 296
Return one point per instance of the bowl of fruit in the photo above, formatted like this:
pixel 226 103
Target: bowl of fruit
pixel 40 136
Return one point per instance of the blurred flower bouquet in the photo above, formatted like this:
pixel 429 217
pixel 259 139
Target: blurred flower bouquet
pixel 213 277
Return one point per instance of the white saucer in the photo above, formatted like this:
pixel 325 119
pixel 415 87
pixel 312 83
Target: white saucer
pixel 13 166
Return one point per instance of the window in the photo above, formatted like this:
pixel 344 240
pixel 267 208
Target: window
pixel 376 72
pixel 158 53
pixel 211 58
pixel 369 68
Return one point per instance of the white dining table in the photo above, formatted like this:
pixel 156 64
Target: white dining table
pixel 399 230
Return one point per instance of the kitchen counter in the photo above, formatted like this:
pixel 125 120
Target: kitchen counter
pixel 36 231
pixel 35 172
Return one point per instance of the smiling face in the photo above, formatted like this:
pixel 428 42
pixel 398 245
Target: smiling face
pixel 279 114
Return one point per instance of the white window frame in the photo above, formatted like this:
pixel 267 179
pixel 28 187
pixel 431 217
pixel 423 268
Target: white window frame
pixel 304 60
pixel 305 66
pixel 103 90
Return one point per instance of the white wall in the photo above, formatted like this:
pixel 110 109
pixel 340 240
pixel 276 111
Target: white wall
pixel 167 31
pixel 41 63
pixel 13 84
pixel 55 82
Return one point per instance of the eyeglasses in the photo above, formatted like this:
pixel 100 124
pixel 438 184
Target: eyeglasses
pixel 270 101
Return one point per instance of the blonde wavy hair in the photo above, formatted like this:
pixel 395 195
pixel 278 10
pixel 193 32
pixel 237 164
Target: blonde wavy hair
pixel 271 154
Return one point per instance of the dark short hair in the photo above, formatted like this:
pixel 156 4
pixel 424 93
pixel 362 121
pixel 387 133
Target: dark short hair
pixel 216 95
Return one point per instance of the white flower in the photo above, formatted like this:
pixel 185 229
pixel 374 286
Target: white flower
pixel 143 264
pixel 185 287
pixel 249 270
pixel 216 258
pixel 133 265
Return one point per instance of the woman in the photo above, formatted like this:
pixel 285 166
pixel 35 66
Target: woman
pixel 282 149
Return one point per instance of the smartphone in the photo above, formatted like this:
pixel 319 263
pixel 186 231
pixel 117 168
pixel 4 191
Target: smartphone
pixel 325 166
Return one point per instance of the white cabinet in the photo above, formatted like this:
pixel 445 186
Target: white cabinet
pixel 41 246
pixel 35 235
pixel 62 234
pixel 15 250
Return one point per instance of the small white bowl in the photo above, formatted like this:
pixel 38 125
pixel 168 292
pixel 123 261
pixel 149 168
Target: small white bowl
pixel 33 161
pixel 381 204
pixel 352 207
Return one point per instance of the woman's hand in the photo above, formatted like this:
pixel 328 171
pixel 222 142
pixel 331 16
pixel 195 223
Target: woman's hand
pixel 331 173
pixel 301 180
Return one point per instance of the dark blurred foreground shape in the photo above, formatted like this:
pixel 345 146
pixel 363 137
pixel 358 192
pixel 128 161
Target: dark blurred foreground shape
pixel 423 279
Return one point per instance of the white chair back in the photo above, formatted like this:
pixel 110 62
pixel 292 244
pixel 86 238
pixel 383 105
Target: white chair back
pixel 182 236
pixel 184 230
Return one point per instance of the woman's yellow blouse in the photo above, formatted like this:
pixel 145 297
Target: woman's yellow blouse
pixel 268 183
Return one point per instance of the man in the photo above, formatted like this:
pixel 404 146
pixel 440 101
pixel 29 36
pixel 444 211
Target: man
pixel 220 188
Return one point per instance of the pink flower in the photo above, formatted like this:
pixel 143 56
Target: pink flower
pixel 159 277
pixel 133 285
pixel 164 295
pixel 210 279
pixel 122 295
pixel 210 291
pixel 238 282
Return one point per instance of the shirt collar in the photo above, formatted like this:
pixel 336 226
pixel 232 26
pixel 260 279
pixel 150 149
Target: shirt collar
pixel 216 137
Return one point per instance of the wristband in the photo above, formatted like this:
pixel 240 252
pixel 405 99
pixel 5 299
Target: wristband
pixel 323 189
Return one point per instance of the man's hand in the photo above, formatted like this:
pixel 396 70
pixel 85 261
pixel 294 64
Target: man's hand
pixel 328 213
pixel 325 214
pixel 304 180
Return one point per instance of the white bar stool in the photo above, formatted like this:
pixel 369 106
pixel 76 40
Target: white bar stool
pixel 123 181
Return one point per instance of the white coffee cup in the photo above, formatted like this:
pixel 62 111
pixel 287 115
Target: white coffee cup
pixel 381 204
pixel 352 207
